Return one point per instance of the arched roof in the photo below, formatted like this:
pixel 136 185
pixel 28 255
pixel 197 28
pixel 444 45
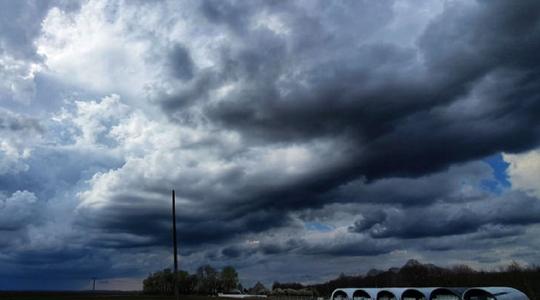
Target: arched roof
pixel 425 290
pixel 372 292
pixel 362 293
pixel 417 291
pixel 341 291
pixel 394 291
pixel 458 292
pixel 499 293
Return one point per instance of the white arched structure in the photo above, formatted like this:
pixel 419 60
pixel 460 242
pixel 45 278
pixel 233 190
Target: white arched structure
pixel 341 294
pixel 440 293
pixel 494 293
pixel 371 292
pixel 446 293
pixel 357 293
pixel 416 294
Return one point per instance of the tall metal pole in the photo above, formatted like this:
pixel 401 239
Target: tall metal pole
pixel 174 246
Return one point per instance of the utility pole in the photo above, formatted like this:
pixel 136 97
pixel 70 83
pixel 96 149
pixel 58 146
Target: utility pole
pixel 174 246
pixel 94 284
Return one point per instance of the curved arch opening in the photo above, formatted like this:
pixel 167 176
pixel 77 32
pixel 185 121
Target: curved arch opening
pixel 412 294
pixel 340 295
pixel 443 294
pixel 361 295
pixel 478 294
pixel 386 295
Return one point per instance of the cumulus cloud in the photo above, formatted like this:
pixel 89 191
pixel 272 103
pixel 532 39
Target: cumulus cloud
pixel 17 82
pixel 90 48
pixel 523 171
pixel 19 135
pixel 20 25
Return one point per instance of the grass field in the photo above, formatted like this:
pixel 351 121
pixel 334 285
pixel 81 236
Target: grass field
pixel 91 296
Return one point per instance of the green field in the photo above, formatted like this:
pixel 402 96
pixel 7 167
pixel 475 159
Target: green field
pixel 91 296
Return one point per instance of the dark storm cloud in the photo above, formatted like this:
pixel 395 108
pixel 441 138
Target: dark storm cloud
pixel 443 186
pixel 18 211
pixel 266 248
pixel 429 206
pixel 47 256
pixel 390 102
pixel 343 96
pixel 490 217
pixel 269 248
pixel 232 252
pixel 493 34
pixel 180 63
pixel 498 231
pixel 469 90
pixel 392 111
pixel 66 263
pixel 224 12
pixel 300 246
pixel 368 221
pixel 490 236
pixel 197 87
pixel 213 226
pixel 365 247
pixel 424 223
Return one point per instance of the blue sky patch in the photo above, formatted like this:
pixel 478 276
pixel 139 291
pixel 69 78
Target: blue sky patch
pixel 317 226
pixel 500 167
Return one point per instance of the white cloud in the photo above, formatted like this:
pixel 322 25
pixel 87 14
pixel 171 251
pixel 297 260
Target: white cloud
pixel 92 51
pixel 95 119
pixel 19 137
pixel 12 158
pixel 524 171
pixel 17 79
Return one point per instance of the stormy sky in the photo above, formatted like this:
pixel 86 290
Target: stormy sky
pixel 303 138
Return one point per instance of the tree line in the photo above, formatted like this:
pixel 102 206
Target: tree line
pixel 209 281
pixel 205 281
pixel 415 274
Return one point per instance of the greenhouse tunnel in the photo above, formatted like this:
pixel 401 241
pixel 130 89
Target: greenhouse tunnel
pixel 361 295
pixel 340 295
pixel 386 295
pixel 412 294
pixel 445 294
pixel 478 294
pixel 494 293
